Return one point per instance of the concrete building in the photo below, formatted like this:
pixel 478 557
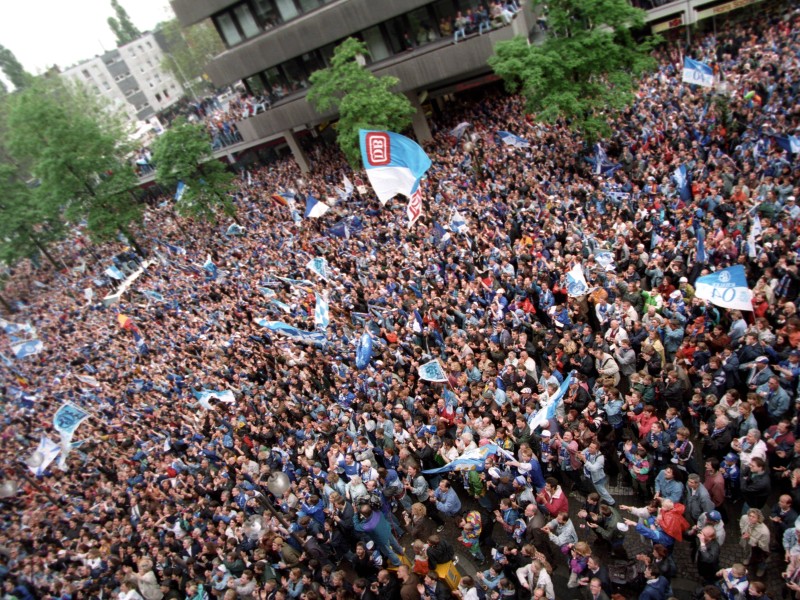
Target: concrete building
pixel 273 46
pixel 130 78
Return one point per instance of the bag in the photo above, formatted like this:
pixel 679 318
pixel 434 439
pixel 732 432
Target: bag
pixel 421 566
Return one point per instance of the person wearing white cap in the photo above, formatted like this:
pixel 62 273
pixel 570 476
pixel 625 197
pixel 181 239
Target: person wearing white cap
pixel 686 289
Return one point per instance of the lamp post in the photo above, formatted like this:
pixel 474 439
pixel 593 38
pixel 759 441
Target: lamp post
pixel 469 148
pixel 10 487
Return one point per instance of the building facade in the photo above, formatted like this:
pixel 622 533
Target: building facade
pixel 130 78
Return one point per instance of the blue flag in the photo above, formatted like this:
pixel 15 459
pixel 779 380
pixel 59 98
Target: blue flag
pixel 319 266
pixel 548 411
pixel 153 295
pixel 26 348
pixel 180 191
pixel 67 419
pixel 700 234
pixel 322 312
pixel 509 139
pixel 363 351
pixel 315 208
pixel 697 73
pixel 210 268
pixel 681 178
pixel 115 273
pixel 471 460
pixel 394 163
pixel 605 259
pixel 432 371
pixel 790 143
pixel 235 229
pixel 293 333
pixel 727 288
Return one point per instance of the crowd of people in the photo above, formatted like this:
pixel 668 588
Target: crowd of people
pixel 690 407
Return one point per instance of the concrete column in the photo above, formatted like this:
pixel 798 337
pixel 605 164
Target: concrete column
pixel 231 158
pixel 418 120
pixel 297 151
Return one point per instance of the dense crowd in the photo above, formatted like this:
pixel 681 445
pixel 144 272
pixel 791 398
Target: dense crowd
pixel 692 406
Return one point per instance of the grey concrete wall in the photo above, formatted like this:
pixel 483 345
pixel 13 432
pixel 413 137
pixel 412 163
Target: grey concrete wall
pixel 416 71
pixel 190 12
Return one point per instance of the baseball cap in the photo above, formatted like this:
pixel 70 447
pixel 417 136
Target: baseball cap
pixel 714 515
pixel 731 457
pixel 546 433
pixel 762 359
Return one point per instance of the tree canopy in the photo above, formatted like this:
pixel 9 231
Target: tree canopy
pixel 183 154
pixel 586 69
pixel 364 101
pixel 122 26
pixel 78 157
pixel 13 69
pixel 189 50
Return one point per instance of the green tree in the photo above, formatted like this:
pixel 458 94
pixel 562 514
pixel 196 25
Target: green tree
pixel 587 68
pixel 78 156
pixel 189 50
pixel 183 154
pixel 15 72
pixel 122 26
pixel 364 101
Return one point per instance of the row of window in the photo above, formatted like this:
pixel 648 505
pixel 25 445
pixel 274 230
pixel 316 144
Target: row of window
pixel 395 36
pixel 250 18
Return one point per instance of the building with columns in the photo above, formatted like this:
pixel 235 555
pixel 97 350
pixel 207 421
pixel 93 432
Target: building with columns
pixel 273 46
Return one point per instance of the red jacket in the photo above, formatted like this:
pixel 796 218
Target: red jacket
pixel 554 504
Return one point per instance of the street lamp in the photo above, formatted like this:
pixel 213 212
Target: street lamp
pixel 277 484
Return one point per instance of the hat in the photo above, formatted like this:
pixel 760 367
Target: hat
pixel 790 198
pixel 519 480
pixel 762 359
pixel 676 294
pixel 794 353
pixel 714 515
pixel 525 391
pixel 500 291
pixel 683 280
pixel 731 457
pixel 623 527
pixel 546 433
pixel 493 472
pixel 318 465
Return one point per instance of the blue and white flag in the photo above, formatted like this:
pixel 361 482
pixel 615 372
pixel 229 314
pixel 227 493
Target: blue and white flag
pixel 114 273
pixel 605 259
pixel 727 288
pixel 700 236
pixel 681 178
pixel 432 371
pixel 282 305
pixel 790 143
pixel 458 131
pixel 298 283
pixel 88 380
pixel 600 163
pixel 697 73
pixel 204 397
pixel 346 227
pixel 210 268
pixel 15 327
pixel 394 163
pixel 175 250
pixel 153 295
pixel 548 411
pixel 417 325
pixel 67 419
pixel 44 454
pixel 471 460
pixel 293 333
pixel 319 266
pixel 576 282
pixel 180 191
pixel 509 139
pixel 322 312
pixel 315 208
pixel 27 348
pixel 363 351
pixel 348 186
pixel 5 360
pixel 458 223
pixel 235 229
pixel 269 293
pixel 440 236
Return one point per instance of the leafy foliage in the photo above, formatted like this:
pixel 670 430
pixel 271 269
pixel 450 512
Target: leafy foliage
pixel 364 101
pixel 15 72
pixel 122 26
pixel 183 154
pixel 190 49
pixel 77 155
pixel 586 70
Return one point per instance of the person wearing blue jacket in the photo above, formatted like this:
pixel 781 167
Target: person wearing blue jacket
pixel 657 586
pixel 375 526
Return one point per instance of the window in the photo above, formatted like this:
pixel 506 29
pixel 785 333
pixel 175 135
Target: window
pixel 423 26
pixel 378 50
pixel 296 75
pixel 86 74
pixel 158 97
pixel 399 36
pixel 166 94
pixel 149 45
pixel 312 61
pixel 247 23
pixel 150 64
pixel 141 49
pixel 309 5
pixel 266 13
pixel 255 84
pixel 227 29
pixel 106 85
pixel 287 9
